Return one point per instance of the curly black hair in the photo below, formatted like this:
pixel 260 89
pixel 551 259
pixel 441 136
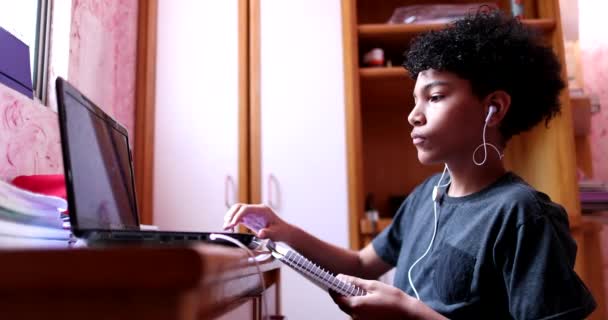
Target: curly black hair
pixel 494 51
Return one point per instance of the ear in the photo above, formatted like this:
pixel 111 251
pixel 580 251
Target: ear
pixel 501 100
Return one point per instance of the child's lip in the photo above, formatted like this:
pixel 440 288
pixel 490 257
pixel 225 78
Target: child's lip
pixel 417 138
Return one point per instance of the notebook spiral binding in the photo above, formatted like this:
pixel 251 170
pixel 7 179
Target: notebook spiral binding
pixel 318 275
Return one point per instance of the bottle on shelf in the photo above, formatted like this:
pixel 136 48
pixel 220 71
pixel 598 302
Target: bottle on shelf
pixel 371 212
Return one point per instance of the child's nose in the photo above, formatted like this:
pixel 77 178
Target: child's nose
pixel 416 117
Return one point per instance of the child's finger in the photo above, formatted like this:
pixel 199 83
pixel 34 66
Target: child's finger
pixel 237 216
pixel 341 301
pixel 361 283
pixel 230 214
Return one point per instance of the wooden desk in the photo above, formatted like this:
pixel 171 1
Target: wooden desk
pixel 199 282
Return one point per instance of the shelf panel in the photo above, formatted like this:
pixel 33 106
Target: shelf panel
pixel 384 30
pixel 394 39
pixel 387 31
pixel 383 73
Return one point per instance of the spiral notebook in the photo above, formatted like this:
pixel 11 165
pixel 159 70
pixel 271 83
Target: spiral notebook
pixel 317 275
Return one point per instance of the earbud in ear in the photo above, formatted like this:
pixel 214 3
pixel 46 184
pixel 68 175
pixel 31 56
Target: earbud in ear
pixel 490 113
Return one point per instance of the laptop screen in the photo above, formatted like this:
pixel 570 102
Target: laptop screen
pixel 98 164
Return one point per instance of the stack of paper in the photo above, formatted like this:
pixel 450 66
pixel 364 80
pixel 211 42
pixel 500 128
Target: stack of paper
pixel 31 220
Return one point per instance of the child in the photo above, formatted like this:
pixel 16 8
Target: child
pixel 475 242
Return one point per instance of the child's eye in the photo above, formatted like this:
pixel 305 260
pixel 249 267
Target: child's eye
pixel 436 97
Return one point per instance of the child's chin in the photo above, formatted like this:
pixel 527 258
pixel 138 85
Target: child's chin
pixel 426 159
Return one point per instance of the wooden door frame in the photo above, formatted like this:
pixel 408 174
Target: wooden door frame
pixel 354 144
pixel 255 139
pixel 145 94
pixel 145 86
pixel 245 166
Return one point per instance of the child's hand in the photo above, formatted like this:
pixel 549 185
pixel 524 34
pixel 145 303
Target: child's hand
pixel 382 301
pixel 259 218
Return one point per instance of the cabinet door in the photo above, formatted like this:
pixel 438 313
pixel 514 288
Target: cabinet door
pixel 303 146
pixel 197 113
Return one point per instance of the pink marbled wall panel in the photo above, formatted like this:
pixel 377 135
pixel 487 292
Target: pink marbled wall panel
pixel 594 59
pixel 103 44
pixel 29 137
pixel 103 49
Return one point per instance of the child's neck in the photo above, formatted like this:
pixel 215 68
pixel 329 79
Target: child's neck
pixel 470 178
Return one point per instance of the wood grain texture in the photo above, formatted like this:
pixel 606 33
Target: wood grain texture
pixel 595 277
pixel 255 131
pixel 373 11
pixel 545 157
pixel 129 283
pixel 145 92
pixel 354 141
pixel 390 166
pixel 244 166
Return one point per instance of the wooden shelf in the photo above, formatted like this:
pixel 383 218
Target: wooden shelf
pixel 385 30
pixel 383 162
pixel 371 73
pixel 581 114
pixel 395 38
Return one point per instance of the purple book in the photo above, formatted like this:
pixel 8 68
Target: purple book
pixel 15 70
pixel 596 196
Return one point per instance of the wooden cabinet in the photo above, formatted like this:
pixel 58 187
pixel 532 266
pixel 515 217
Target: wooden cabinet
pixel 384 162
pixel 381 159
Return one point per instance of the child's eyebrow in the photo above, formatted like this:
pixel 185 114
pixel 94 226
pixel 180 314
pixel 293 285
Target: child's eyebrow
pixel 430 85
pixel 437 83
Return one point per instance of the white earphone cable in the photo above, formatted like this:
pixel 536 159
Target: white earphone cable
pixel 485 149
pixel 435 199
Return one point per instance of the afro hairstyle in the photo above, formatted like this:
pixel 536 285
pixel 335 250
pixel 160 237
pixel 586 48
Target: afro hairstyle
pixel 493 52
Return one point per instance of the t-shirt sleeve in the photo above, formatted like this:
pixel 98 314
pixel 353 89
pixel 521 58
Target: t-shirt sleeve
pixel 537 263
pixel 388 243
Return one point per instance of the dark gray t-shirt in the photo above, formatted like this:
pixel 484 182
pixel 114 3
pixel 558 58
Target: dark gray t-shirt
pixel 501 253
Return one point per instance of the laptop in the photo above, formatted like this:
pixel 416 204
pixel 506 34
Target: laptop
pixel 99 177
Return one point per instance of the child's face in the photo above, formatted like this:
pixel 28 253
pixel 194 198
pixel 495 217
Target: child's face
pixel 447 118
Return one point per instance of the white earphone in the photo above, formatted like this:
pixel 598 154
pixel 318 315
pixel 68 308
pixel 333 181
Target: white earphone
pixel 491 111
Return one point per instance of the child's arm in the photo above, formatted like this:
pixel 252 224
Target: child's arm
pixel 267 224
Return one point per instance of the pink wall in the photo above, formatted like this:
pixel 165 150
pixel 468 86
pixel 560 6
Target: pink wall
pixel 594 56
pixel 594 59
pixel 102 55
pixel 102 63
pixel 29 137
